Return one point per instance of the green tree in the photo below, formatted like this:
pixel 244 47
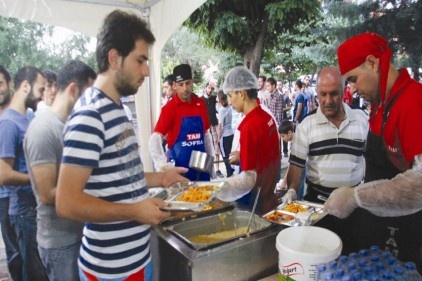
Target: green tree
pixel 247 27
pixel 29 43
pixel 398 21
pixel 185 46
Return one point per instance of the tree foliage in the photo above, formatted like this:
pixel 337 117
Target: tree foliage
pixel 247 27
pixel 185 46
pixel 399 21
pixel 25 43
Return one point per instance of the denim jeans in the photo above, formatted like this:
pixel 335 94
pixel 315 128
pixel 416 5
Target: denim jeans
pixel 14 260
pixel 61 263
pixel 25 227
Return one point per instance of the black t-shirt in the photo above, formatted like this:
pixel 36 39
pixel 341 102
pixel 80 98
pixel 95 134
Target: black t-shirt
pixel 211 103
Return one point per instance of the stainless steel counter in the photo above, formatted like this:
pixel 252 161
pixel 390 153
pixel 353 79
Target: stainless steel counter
pixel 247 258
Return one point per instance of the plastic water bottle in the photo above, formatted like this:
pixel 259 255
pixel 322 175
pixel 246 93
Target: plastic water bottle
pixel 346 277
pixel 411 273
pixel 379 268
pixel 321 270
pixel 357 276
pixel 325 276
pixel 339 274
pixel 374 249
pixel 387 275
pixel 332 265
pixel 343 260
pixel 351 267
pixel 368 271
pixel 374 278
pixel 386 255
pixel 368 265
pixel 353 256
pixel 364 253
pixel 399 273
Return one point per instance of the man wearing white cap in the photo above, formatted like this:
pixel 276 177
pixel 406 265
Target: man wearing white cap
pixel 390 200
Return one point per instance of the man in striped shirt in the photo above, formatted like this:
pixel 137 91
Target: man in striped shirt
pixel 101 180
pixel 330 143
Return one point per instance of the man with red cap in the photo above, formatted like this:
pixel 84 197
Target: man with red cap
pixel 388 205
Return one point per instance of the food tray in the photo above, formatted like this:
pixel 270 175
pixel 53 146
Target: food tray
pixel 158 192
pixel 287 214
pixel 214 224
pixel 279 217
pixel 179 190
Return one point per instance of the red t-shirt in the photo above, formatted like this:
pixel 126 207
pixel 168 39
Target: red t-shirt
pixel 403 126
pixel 260 151
pixel 347 97
pixel 172 113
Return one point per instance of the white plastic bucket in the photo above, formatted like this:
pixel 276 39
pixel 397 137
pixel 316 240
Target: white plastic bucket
pixel 301 249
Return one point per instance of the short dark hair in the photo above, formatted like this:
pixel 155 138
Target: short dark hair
pixel 169 79
pixel 50 75
pixel 285 127
pixel 252 93
pixel 222 98
pixel 262 77
pixel 26 73
pixel 120 31
pixel 74 72
pixel 299 83
pixel 272 81
pixel 5 73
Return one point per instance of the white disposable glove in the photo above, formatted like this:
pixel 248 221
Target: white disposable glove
pixel 341 203
pixel 399 196
pixel 158 155
pixel 237 186
pixel 280 185
pixel 289 197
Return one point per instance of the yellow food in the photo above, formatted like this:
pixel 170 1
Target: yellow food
pixel 218 236
pixel 196 194
pixel 295 208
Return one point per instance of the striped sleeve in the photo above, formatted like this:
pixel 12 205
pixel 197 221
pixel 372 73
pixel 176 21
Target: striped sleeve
pixel 84 138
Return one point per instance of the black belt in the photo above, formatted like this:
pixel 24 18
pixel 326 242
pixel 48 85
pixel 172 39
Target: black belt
pixel 325 191
pixel 319 189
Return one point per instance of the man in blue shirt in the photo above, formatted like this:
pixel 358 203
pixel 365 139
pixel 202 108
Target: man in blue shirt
pixel 29 86
pixel 14 260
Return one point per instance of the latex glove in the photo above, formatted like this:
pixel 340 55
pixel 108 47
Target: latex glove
pixel 341 203
pixel 289 197
pixel 234 158
pixel 237 186
pixel 155 145
pixel 400 196
pixel 282 184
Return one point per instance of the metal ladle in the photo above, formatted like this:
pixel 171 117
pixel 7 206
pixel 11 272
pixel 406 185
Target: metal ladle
pixel 253 211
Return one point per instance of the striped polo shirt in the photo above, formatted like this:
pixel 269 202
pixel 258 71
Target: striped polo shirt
pixel 99 135
pixel 333 156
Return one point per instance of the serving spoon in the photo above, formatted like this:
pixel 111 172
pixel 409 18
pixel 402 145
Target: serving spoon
pixel 253 211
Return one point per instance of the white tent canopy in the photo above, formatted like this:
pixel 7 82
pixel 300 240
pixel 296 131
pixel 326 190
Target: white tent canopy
pixel 85 16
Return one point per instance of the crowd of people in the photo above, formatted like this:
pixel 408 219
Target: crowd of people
pixel 74 200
